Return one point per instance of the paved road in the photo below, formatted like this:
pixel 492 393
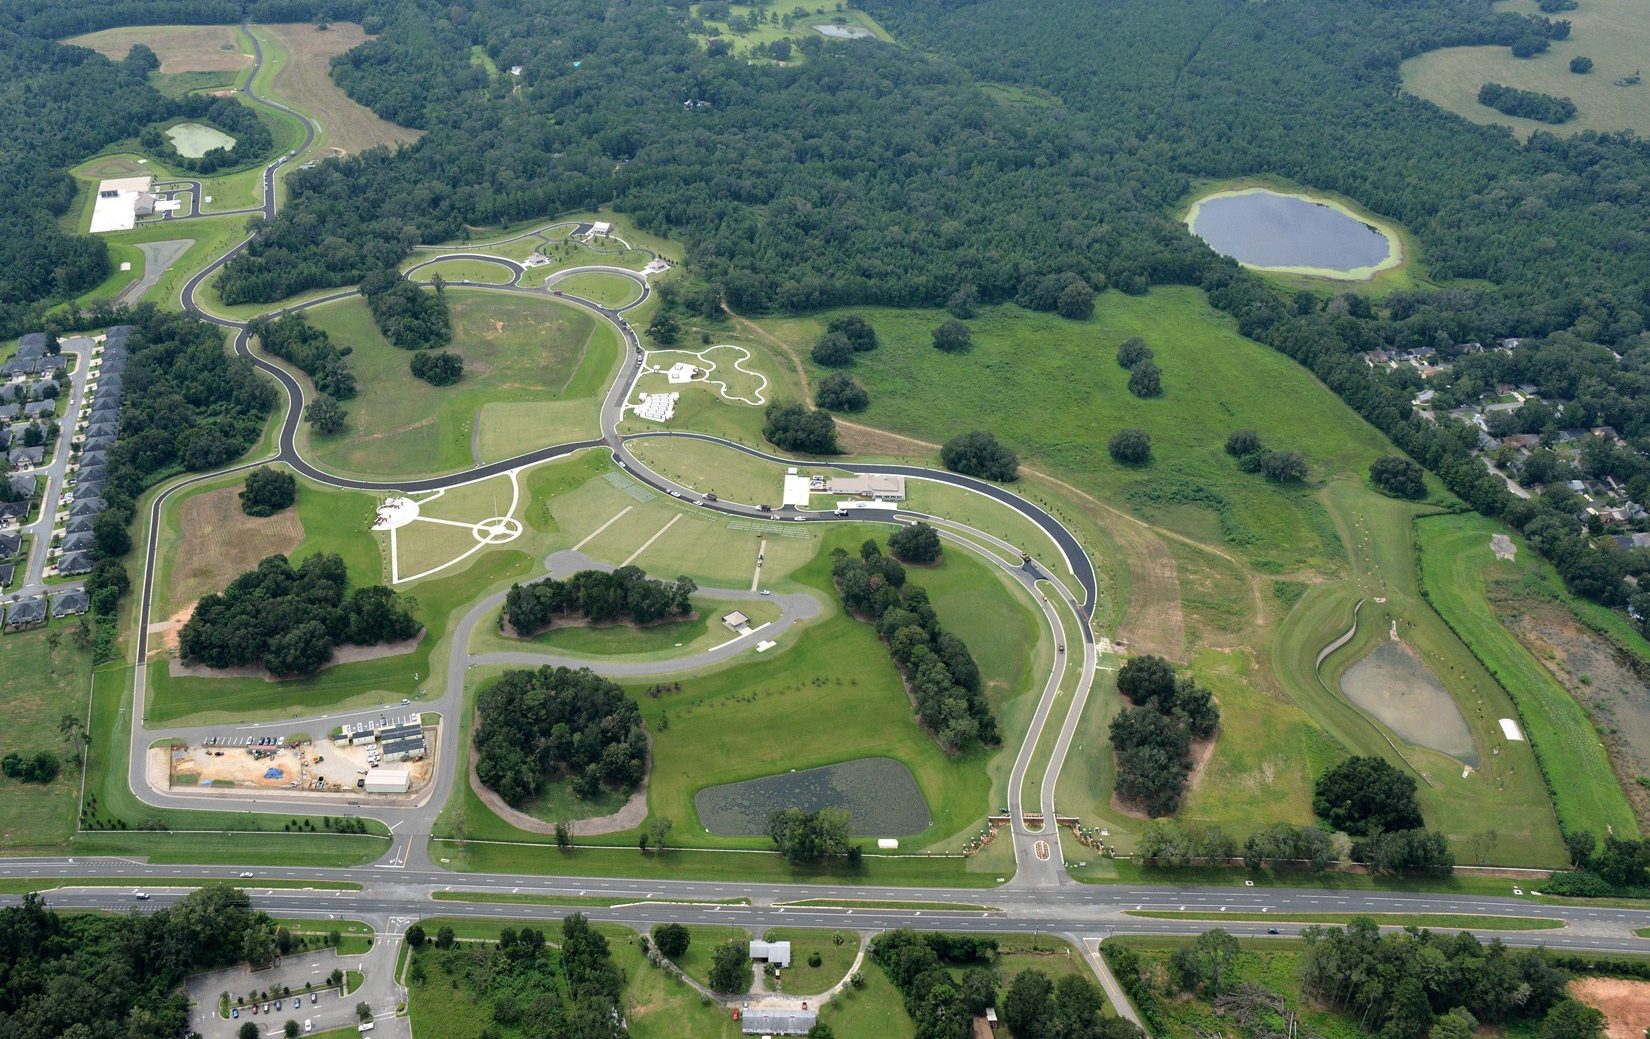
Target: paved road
pixel 56 472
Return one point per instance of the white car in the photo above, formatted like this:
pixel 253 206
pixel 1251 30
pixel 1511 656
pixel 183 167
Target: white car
pixel 246 873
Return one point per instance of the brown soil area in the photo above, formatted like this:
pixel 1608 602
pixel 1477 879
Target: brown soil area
pixel 306 81
pixel 180 48
pixel 163 635
pixel 1625 1004
pixel 340 655
pixel 1600 676
pixel 217 541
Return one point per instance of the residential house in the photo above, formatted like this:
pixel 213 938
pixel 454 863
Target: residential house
pixel 9 544
pixel 75 563
pixel 40 409
pixel 26 613
pixel 66 604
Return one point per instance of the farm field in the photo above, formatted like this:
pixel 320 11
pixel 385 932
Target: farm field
pixel 303 79
pixel 516 351
pixel 40 686
pixel 1456 563
pixel 180 48
pixel 1613 33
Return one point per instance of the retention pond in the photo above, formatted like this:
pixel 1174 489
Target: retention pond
pixel 1289 233
pixel 1395 686
pixel 880 794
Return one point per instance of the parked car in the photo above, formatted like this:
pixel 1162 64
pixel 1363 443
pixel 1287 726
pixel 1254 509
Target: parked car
pixel 246 873
pixel 307 1025
pixel 141 896
pixel 234 1012
pixel 314 997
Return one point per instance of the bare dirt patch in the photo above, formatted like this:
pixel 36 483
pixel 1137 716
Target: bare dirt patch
pixel 1625 1004
pixel 1607 681
pixel 217 541
pixel 306 81
pixel 180 48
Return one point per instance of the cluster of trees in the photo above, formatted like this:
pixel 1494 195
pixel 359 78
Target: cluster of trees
pixel 1038 1008
pixel 600 596
pixel 1398 477
pixel 1153 738
pixel 540 726
pixel 730 967
pixel 1163 843
pixel 1371 799
pixel 1620 868
pixel 980 454
pixel 112 975
pixel 1527 104
pixel 309 349
pixel 253 141
pixel 941 1004
pixel 439 368
pixel 672 940
pixel 288 619
pixel 917 543
pixel 953 337
pixel 1131 447
pixel 408 316
pixel 268 491
pixel 844 337
pixel 807 837
pixel 199 406
pixel 517 983
pixel 1253 457
pixel 1401 984
pixel 1145 377
pixel 840 391
pixel 794 427
pixel 938 667
pixel 1581 65
pixel 40 767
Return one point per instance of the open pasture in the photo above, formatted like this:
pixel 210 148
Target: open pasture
pixel 180 48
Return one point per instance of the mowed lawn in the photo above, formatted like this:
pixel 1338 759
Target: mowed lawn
pixel 1052 390
pixel 1456 559
pixel 517 351
pixel 1614 33
pixel 38 686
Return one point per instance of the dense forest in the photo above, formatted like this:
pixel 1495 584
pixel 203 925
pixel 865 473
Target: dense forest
pixel 937 665
pixel 288 619
pixel 116 975
pixel 541 726
pixel 599 596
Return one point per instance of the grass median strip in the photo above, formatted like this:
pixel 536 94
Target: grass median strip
pixel 1436 921
pixel 600 901
pixel 24 885
pixel 869 903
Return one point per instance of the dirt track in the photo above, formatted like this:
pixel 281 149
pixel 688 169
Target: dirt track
pixel 1626 1004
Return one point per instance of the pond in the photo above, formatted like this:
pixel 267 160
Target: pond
pixel 1394 685
pixel 844 32
pixel 192 140
pixel 880 794
pixel 1269 230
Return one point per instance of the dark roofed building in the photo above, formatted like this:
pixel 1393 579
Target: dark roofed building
pixel 93 459
pixel 6 572
pixel 26 613
pixel 75 563
pixel 87 507
pixel 101 442
pixel 5 438
pixel 16 366
pixel 78 543
pixel 25 457
pixel 52 363
pixel 40 409
pixel 8 412
pixel 67 604
pixel 91 485
pixel 777 1021
pixel 24 485
pixel 13 510
pixel 80 524
pixel 102 416
pixel 9 544
pixel 32 345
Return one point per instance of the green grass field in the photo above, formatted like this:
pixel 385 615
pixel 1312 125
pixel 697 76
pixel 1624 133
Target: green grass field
pixel 731 475
pixel 39 686
pixel 654 642
pixel 1455 561
pixel 1053 392
pixel 1611 32
pixel 517 350
pixel 610 290
pixel 465 270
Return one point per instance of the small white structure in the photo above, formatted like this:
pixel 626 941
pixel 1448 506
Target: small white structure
pixel 776 953
pixel 888 843
pixel 120 202
pixel 600 229
pixel 1510 729
pixel 395 512
pixel 736 620
pixel 388 781
pixel 796 490
pixel 681 372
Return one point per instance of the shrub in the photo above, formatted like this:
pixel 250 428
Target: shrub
pixel 1581 65
pixel 980 454
pixel 1283 466
pixel 672 940
pixel 1132 352
pixel 439 368
pixel 840 391
pixel 1243 442
pixel 1076 301
pixel 1398 476
pixel 1130 447
pixel 953 337
pixel 917 543
pixel 1146 380
pixel 834 350
pixel 856 330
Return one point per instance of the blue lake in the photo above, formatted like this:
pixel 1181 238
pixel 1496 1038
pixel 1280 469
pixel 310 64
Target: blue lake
pixel 1267 229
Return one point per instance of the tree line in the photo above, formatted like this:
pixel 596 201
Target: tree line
pixel 289 619
pixel 599 596
pixel 1152 739
pixel 408 316
pixel 536 727
pixel 309 349
pixel 1527 104
pixel 936 665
